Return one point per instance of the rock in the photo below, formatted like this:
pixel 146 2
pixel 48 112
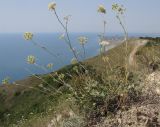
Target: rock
pixel 137 116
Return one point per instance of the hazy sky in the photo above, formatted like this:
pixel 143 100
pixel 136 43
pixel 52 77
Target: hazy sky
pixel 143 16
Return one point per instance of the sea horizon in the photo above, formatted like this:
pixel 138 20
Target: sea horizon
pixel 14 51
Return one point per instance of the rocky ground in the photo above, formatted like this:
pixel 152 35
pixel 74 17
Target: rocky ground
pixel 145 113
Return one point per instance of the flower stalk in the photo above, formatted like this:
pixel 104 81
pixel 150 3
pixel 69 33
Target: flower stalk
pixel 68 41
pixel 119 10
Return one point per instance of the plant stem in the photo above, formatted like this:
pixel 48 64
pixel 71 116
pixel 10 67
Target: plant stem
pixel 126 45
pixel 38 77
pixel 84 51
pixel 68 38
pixel 66 31
pixel 46 50
pixel 44 69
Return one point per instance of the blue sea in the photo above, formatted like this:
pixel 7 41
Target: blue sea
pixel 14 51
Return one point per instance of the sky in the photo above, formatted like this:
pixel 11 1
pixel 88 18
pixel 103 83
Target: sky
pixel 142 16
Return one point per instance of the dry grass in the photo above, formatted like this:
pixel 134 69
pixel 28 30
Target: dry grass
pixel 93 93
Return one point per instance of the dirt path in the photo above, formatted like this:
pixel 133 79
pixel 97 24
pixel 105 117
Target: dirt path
pixel 137 45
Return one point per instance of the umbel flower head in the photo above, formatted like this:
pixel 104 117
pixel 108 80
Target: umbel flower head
pixel 28 36
pixel 31 59
pixel 66 18
pixel 82 40
pixel 50 66
pixel 52 6
pixel 115 7
pixel 5 80
pixel 118 8
pixel 101 9
pixel 104 43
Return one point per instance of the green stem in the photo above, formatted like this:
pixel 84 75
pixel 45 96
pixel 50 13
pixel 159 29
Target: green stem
pixel 38 77
pixel 45 70
pixel 68 38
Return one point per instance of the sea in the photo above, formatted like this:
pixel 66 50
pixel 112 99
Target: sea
pixel 14 50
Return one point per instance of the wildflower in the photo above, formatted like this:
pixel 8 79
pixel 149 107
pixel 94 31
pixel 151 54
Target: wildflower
pixel 105 58
pixel 31 59
pixel 115 7
pixel 5 80
pixel 74 61
pixel 28 36
pixel 52 6
pixel 66 18
pixel 82 40
pixel 104 43
pixel 61 76
pixel 50 66
pixel 101 9
pixel 118 8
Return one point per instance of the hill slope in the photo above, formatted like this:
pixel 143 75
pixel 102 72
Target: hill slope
pixel 83 97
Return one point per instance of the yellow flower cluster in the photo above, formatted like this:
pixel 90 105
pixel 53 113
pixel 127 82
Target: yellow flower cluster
pixel 101 9
pixel 31 59
pixel 52 6
pixel 28 36
pixel 118 8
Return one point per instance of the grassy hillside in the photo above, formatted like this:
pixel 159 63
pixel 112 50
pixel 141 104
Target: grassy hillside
pixel 98 88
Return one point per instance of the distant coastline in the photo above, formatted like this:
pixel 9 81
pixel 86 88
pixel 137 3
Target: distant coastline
pixel 13 41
